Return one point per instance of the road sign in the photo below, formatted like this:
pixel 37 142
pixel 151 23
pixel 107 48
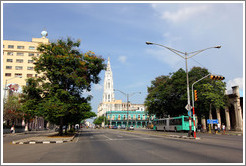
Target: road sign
pixel 188 107
pixel 189 113
pixel 212 121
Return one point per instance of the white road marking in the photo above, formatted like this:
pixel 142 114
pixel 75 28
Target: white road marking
pixel 77 140
pixel 107 137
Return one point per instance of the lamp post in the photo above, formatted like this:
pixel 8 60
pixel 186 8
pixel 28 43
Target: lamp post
pixel 6 82
pixel 193 103
pixel 127 98
pixel 186 56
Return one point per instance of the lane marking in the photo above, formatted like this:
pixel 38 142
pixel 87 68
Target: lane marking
pixel 107 137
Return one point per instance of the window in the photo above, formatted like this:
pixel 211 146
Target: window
pixel 3 46
pixel 118 117
pixel 10 53
pixel 18 74
pixel 8 67
pixel 124 117
pixel 9 60
pixel 30 61
pixel 19 60
pixel 31 54
pixel 109 98
pixel 138 117
pixel 31 48
pixel 18 67
pixel 29 75
pixel 8 74
pixel 36 75
pixel 10 46
pixel 20 53
pixel 20 47
pixel 29 68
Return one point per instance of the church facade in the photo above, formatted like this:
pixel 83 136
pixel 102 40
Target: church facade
pixel 117 111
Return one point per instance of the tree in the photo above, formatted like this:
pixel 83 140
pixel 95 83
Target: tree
pixel 31 98
pixel 66 74
pixel 11 109
pixel 99 120
pixel 167 95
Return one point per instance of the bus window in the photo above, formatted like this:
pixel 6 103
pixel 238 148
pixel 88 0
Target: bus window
pixel 186 119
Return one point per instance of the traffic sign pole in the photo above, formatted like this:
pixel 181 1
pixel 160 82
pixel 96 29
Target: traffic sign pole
pixel 194 122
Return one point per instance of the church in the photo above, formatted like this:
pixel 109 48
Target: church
pixel 120 113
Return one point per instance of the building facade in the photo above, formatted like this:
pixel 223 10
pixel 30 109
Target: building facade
pixel 17 60
pixel 116 111
pixel 18 66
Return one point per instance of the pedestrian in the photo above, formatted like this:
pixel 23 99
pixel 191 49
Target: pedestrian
pixel 218 127
pixel 215 129
pixel 223 128
pixel 12 129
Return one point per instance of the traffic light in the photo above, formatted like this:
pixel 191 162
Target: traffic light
pixel 195 91
pixel 216 77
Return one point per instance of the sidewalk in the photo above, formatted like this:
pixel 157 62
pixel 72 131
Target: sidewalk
pixel 43 137
pixel 238 133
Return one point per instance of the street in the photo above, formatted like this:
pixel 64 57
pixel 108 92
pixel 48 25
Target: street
pixel 120 146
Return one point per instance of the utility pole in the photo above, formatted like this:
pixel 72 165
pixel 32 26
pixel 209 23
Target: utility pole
pixel 127 102
pixel 186 57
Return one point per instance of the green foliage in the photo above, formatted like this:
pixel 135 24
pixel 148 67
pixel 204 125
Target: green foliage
pixel 99 120
pixel 66 74
pixel 11 109
pixel 30 98
pixel 167 95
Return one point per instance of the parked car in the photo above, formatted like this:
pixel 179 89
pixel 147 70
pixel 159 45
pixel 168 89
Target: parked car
pixel 131 128
pixel 114 127
pixel 123 127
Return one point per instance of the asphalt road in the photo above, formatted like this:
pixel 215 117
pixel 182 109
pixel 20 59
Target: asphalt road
pixel 117 146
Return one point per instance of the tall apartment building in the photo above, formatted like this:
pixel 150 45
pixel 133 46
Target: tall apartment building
pixel 17 59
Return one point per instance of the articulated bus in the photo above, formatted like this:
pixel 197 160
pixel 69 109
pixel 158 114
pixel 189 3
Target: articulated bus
pixel 180 123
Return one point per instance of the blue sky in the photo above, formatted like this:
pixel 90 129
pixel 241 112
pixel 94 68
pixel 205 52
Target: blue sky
pixel 120 30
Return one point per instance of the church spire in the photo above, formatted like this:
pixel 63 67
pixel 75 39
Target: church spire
pixel 108 92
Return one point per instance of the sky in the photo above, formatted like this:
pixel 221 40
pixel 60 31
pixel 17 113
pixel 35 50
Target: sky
pixel 120 30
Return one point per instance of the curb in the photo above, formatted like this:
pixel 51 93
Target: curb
pixel 175 136
pixel 43 142
pixel 184 137
pixel 39 142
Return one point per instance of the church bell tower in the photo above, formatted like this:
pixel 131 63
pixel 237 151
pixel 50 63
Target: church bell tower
pixel 108 92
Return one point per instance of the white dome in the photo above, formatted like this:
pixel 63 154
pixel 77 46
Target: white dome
pixel 44 33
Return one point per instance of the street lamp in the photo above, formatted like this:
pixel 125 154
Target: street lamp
pixel 186 57
pixel 6 82
pixel 127 98
pixel 193 103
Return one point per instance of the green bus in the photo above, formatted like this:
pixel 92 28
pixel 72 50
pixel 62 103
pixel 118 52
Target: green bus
pixel 180 123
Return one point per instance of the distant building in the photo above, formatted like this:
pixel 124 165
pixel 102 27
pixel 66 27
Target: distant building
pixel 115 110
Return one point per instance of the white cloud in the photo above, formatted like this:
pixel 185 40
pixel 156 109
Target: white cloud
pixel 184 13
pixel 180 12
pixel 234 82
pixel 122 59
